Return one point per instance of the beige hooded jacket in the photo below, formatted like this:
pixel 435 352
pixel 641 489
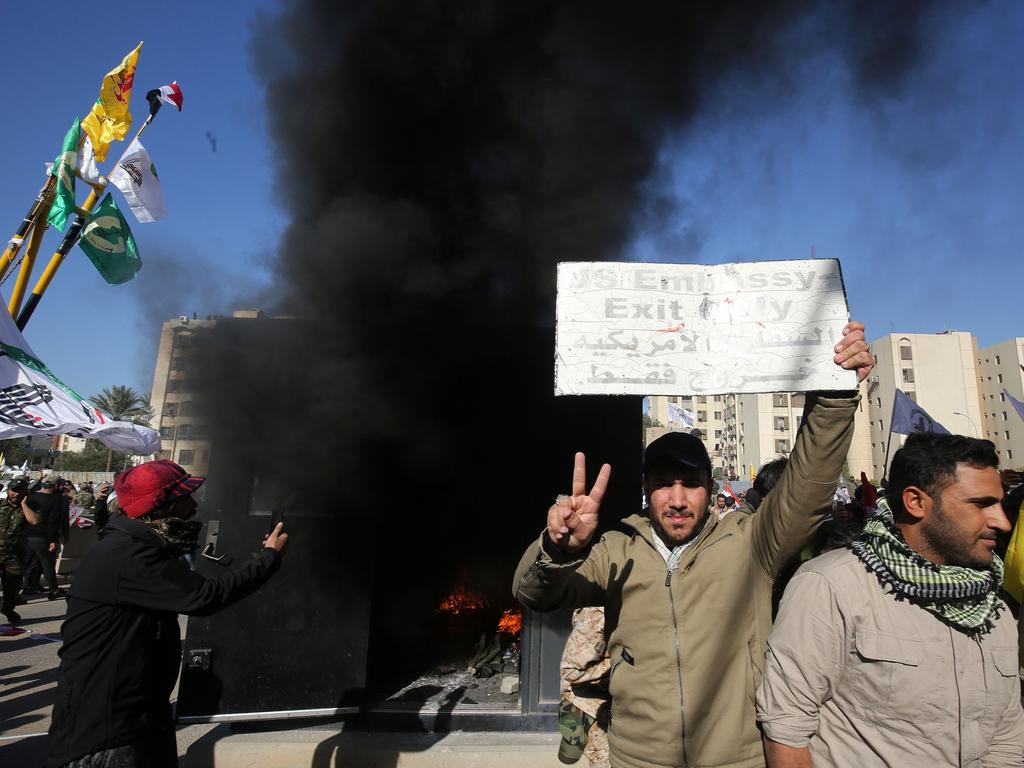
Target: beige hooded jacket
pixel 687 646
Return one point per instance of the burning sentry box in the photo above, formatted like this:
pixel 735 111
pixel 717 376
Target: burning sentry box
pixel 627 328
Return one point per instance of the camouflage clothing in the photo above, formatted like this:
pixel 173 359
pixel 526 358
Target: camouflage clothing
pixel 11 545
pixel 83 499
pixel 583 714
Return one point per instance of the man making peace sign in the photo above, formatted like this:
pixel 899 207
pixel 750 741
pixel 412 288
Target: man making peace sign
pixel 687 596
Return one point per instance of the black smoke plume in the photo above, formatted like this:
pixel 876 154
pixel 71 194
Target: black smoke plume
pixel 437 160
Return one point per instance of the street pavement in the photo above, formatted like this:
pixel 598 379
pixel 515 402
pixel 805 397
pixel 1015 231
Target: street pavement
pixel 28 680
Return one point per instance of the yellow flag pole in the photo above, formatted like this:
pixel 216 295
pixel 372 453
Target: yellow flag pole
pixel 62 251
pixel 41 205
pixel 69 240
pixel 34 241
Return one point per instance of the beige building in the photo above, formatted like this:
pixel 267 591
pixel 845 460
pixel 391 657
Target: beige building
pixel 69 443
pixel 938 371
pixel 710 417
pixel 1000 369
pixel 744 432
pixel 182 437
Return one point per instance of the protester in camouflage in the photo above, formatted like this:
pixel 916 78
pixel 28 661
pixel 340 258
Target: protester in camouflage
pixel 583 712
pixel 13 514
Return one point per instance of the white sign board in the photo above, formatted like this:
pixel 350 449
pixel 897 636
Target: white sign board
pixel 626 328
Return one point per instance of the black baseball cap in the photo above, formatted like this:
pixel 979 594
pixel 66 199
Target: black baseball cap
pixel 681 447
pixel 18 485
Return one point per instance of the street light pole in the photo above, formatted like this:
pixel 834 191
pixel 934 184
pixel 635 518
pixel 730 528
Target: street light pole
pixel 974 429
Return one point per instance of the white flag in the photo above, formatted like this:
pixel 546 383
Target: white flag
pixel 33 401
pixel 677 415
pixel 136 177
pixel 87 168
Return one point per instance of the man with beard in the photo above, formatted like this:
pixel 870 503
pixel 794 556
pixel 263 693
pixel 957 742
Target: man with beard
pixel 898 650
pixel 122 645
pixel 687 595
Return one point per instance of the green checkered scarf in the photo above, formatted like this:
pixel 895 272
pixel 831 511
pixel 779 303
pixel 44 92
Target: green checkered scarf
pixel 965 598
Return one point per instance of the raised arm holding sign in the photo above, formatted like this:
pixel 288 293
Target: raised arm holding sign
pixel 687 595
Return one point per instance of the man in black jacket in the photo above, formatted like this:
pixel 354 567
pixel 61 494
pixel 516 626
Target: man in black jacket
pixel 42 539
pixel 122 646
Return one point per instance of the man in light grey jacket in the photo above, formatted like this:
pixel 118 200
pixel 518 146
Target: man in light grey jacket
pixel 899 651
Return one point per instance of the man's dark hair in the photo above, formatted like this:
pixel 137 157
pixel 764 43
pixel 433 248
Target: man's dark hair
pixel 768 476
pixel 928 461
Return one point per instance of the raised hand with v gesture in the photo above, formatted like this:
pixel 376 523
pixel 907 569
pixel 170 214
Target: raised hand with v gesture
pixel 572 520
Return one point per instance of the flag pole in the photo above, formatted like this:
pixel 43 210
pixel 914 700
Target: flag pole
pixel 70 239
pixel 27 263
pixel 42 204
pixel 888 442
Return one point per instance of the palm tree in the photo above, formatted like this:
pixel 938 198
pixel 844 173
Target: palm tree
pixel 123 403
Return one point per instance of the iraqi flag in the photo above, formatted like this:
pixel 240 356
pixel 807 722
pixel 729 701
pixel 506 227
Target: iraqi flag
pixel 165 94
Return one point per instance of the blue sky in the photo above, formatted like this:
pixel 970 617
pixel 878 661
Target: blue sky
pixel 916 190
pixel 222 221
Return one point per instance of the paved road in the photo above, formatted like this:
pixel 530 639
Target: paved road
pixel 28 679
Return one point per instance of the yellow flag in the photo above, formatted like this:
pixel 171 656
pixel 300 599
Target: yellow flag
pixel 110 119
pixel 753 473
pixel 1013 575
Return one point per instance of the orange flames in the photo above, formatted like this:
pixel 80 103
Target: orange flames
pixel 511 622
pixel 461 600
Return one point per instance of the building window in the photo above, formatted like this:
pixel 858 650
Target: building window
pixel 1004 415
pixel 702 415
pixel 204 456
pixel 674 400
pixel 911 394
pixel 1009 455
pixel 780 401
pixel 174 385
pixel 188 408
pixel 701 399
pixel 1002 397
pixel 718 434
pixel 878 402
pixel 781 423
pixel 999 378
pixel 170 409
pixel 908 375
pixel 906 353
pixel 782 446
pixel 1006 434
pixel 717 398
pixel 167 432
pixel 186 456
pixel 185 432
pixel 997 360
pixel 718 414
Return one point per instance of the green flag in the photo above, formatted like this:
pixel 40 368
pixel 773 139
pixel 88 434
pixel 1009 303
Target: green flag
pixel 64 166
pixel 108 242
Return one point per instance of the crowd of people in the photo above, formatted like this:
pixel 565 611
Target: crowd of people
pixel 892 644
pixel 36 515
pixel 792 627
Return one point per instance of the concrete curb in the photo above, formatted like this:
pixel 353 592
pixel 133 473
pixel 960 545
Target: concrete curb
pixel 324 748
